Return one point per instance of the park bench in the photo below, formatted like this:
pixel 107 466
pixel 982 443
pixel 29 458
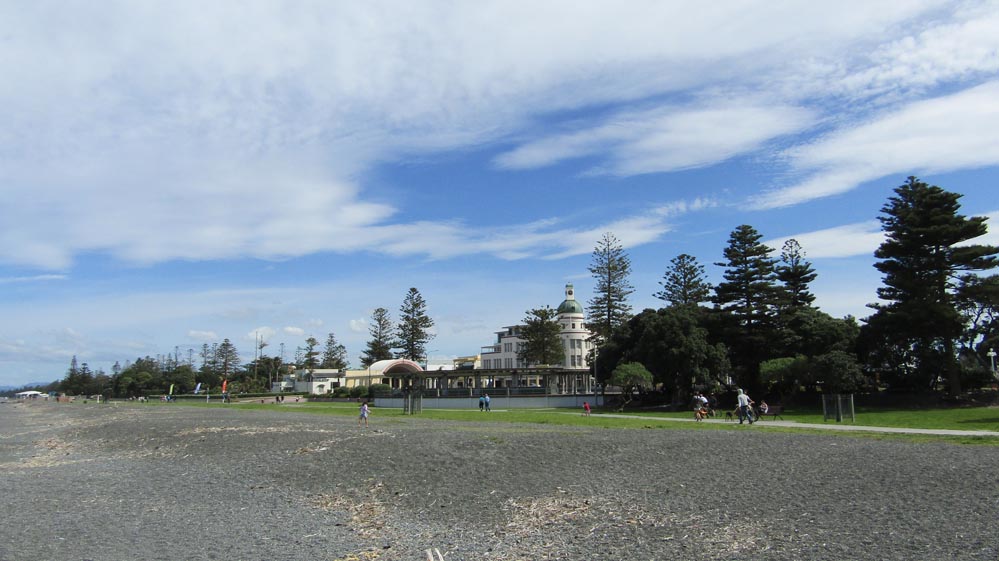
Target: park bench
pixel 773 411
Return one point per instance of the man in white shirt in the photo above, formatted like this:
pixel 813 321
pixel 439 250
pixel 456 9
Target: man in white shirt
pixel 744 411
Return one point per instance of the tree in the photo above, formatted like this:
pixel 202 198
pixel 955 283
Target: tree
pixel 923 257
pixel 684 282
pixel 630 376
pixel 542 338
pixel 310 358
pixel 978 301
pixel 839 372
pixel 672 345
pixel 227 359
pixel 609 308
pixel 747 298
pixel 414 327
pixel 795 273
pixel 334 354
pixel 380 345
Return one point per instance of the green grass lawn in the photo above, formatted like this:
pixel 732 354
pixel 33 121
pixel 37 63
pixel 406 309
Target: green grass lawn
pixel 967 418
pixel 963 418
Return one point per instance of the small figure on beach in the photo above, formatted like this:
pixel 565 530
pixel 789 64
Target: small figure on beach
pixel 364 415
pixel 586 408
pixel 745 412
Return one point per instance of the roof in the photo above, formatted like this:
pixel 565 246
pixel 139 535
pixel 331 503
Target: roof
pixel 570 307
pixel 395 366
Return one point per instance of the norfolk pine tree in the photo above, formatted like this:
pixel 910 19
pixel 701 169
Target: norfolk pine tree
pixel 923 258
pixel 380 345
pixel 542 338
pixel 684 283
pixel 334 354
pixel 747 298
pixel 413 331
pixel 609 308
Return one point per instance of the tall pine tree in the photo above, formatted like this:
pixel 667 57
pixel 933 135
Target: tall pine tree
pixel 414 327
pixel 684 283
pixel 609 308
pixel 380 345
pixel 542 338
pixel 334 354
pixel 923 257
pixel 747 299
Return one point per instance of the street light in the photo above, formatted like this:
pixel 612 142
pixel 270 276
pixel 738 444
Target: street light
pixel 992 357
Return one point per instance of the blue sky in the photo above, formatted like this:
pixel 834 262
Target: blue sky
pixel 175 173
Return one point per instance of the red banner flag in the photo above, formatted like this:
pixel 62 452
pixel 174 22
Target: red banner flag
pixel 224 384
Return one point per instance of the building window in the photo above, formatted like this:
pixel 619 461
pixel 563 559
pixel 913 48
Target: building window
pixel 508 363
pixel 507 347
pixel 574 326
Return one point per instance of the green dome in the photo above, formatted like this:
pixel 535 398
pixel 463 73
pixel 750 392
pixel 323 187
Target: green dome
pixel 570 307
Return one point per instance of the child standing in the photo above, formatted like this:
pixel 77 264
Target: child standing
pixel 364 415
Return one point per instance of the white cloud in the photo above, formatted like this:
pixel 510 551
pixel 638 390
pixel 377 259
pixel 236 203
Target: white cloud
pixel 202 336
pixel 359 325
pixel 293 331
pixel 262 333
pixel 842 241
pixel 666 138
pixel 992 237
pixel 947 133
pixel 31 279
pixel 197 132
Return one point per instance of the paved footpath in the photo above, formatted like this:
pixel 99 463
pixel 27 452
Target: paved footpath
pixel 825 426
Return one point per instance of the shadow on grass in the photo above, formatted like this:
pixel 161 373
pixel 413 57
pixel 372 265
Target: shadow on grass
pixel 992 422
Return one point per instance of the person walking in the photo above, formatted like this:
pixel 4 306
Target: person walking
pixel 586 408
pixel 364 415
pixel 482 403
pixel 745 413
pixel 487 402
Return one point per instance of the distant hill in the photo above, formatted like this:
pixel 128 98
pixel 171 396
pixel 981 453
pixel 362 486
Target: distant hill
pixel 27 385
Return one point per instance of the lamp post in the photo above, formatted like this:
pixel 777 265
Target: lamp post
pixel 992 357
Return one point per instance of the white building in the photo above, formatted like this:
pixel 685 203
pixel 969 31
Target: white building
pixel 503 354
pixel 323 381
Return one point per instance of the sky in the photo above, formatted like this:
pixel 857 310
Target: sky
pixel 176 173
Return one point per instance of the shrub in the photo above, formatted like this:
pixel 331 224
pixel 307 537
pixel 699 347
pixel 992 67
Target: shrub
pixel 379 389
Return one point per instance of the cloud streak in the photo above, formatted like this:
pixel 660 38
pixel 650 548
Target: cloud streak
pixel 947 133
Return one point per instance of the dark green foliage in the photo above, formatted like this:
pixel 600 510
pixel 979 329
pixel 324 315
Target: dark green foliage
pixel 684 283
pixel 609 308
pixel 542 340
pixel 413 331
pixel 747 303
pixel 376 390
pixel 310 358
pixel 629 377
pixel 795 274
pixel 380 345
pixel 672 344
pixel 922 259
pixel 838 372
pixel 227 359
pixel 334 354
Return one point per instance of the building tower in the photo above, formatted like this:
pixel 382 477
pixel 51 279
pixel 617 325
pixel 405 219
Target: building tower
pixel 575 336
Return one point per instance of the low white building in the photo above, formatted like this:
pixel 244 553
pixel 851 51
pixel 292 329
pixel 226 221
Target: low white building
pixel 322 382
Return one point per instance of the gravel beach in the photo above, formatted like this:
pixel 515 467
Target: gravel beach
pixel 134 482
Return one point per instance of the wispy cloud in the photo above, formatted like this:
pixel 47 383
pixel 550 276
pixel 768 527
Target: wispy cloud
pixel 33 278
pixel 842 241
pixel 957 131
pixel 666 138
